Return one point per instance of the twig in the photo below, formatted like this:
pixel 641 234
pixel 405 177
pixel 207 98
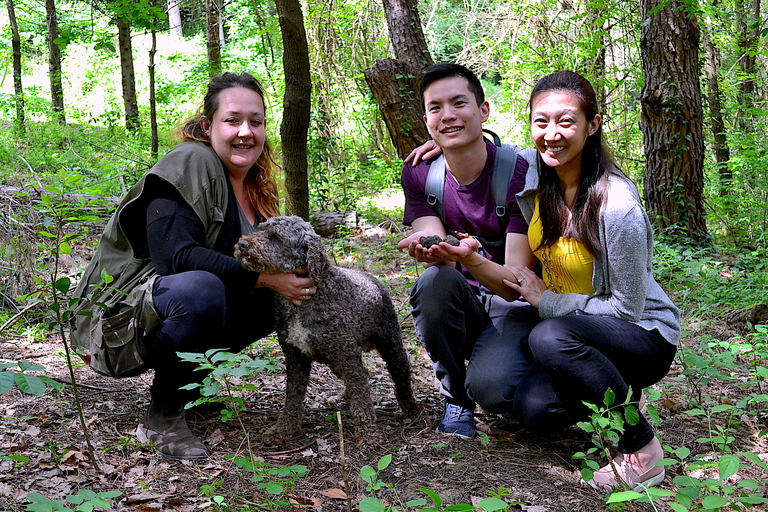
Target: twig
pixel 342 460
pixel 292 450
pixel 18 315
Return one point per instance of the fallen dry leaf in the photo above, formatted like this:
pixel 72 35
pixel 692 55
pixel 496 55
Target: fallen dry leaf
pixel 336 494
pixel 301 502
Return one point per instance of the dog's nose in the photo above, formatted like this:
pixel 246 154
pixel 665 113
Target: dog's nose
pixel 244 245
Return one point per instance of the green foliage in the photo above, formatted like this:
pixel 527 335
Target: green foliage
pixel 84 501
pixel 741 363
pixel 30 384
pixel 223 368
pixel 374 483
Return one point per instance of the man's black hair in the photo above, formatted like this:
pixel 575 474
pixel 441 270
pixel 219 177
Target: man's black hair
pixel 439 71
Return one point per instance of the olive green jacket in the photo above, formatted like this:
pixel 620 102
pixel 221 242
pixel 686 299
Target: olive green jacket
pixel 114 318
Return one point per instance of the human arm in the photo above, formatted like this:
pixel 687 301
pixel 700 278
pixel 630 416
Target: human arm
pixel 176 242
pixel 517 253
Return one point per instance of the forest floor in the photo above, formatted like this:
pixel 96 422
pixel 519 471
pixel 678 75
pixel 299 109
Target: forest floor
pixel 538 472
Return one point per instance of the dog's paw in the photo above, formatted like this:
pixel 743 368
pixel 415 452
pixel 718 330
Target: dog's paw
pixel 411 409
pixel 276 435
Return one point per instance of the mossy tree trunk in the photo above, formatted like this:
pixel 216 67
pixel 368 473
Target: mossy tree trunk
pixel 395 82
pixel 127 74
pixel 671 120
pixel 213 41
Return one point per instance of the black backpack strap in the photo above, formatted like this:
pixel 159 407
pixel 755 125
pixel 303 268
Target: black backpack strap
pixel 434 188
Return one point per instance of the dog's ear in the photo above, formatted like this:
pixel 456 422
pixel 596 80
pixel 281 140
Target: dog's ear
pixel 318 262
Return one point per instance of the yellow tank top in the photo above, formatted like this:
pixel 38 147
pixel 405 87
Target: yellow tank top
pixel 567 266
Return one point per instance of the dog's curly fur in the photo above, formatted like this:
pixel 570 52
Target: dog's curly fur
pixel 350 313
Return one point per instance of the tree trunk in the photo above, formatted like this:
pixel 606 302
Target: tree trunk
pixel 395 83
pixel 212 17
pixel 396 90
pixel 748 39
pixel 16 49
pixel 152 99
pixel 406 35
pixel 296 106
pixel 671 120
pixel 595 64
pixel 720 140
pixel 54 62
pixel 127 75
pixel 174 19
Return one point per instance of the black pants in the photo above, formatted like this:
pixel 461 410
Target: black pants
pixel 567 360
pixel 198 315
pixel 454 325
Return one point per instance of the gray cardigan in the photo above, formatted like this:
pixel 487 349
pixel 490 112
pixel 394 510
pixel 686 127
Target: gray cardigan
pixel 622 278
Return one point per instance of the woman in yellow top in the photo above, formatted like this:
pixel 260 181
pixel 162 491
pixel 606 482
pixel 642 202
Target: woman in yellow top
pixel 597 319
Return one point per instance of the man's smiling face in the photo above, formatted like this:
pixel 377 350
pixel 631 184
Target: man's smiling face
pixel 453 117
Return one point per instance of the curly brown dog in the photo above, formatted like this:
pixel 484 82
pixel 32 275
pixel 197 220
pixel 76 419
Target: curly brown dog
pixel 350 313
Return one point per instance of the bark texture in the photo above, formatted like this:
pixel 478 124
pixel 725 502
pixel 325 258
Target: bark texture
pixel 395 83
pixel 152 97
pixel 748 38
pixel 671 120
pixel 128 77
pixel 396 90
pixel 296 106
pixel 16 50
pixel 54 61
pixel 212 20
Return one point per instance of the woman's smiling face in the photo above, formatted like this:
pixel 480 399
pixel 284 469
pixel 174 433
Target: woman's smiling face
pixel 559 129
pixel 238 129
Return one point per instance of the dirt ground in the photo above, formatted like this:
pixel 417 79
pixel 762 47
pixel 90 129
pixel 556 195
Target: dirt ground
pixel 537 472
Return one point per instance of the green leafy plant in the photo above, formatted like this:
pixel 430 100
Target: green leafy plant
pixel 223 367
pixel 273 480
pixel 31 384
pixel 84 501
pixel 372 477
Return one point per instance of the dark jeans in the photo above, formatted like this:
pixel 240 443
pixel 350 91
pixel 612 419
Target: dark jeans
pixel 200 315
pixel 579 357
pixel 452 322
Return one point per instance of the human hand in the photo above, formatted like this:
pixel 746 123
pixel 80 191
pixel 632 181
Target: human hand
pixel 449 252
pixel 416 250
pixel 528 284
pixel 424 152
pixel 291 285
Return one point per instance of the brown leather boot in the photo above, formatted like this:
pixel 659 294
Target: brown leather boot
pixel 167 428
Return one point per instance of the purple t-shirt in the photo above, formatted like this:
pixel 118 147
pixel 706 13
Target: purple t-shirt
pixel 468 208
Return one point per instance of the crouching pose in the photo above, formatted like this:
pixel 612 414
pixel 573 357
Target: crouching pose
pixel 596 318
pixel 170 247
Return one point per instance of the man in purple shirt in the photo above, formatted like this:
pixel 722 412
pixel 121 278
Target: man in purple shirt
pixel 458 310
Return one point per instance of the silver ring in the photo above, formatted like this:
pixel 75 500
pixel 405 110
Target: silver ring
pixel 520 281
pixel 306 292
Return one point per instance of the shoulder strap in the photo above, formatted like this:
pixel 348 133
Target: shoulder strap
pixel 503 168
pixel 434 188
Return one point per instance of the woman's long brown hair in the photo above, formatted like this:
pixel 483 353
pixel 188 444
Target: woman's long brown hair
pixel 260 185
